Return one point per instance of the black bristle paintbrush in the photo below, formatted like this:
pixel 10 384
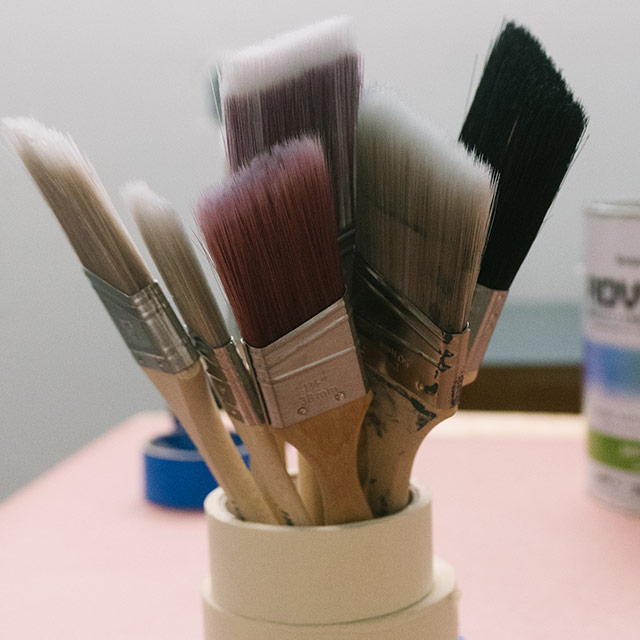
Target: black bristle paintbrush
pixel 423 210
pixel 525 122
pixel 134 301
pixel 304 82
pixel 169 245
pixel 272 237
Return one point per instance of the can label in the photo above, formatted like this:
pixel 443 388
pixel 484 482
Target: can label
pixel 611 355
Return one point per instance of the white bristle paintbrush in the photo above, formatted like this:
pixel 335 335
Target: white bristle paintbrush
pixel 304 82
pixel 423 210
pixel 271 234
pixel 167 241
pixel 525 122
pixel 134 301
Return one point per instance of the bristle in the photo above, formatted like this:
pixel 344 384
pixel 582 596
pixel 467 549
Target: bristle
pixel 168 242
pixel 271 234
pixel 526 123
pixel 287 55
pixel 306 82
pixel 423 209
pixel 78 199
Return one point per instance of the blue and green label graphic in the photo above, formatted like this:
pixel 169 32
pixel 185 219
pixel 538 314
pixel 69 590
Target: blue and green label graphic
pixel 613 369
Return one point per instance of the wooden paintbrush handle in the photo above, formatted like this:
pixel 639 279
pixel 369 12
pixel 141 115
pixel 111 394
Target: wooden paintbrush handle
pixel 309 490
pixel 329 443
pixel 395 431
pixel 270 472
pixel 188 395
pixel 342 497
pixel 281 445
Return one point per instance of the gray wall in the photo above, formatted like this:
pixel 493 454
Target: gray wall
pixel 129 81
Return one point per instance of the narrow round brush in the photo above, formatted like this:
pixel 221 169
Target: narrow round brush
pixel 423 211
pixel 305 82
pixel 271 234
pixel 171 250
pixel 526 123
pixel 79 201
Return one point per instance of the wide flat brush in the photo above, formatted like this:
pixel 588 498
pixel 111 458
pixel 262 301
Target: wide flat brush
pixel 525 122
pixel 272 237
pixel 134 301
pixel 169 245
pixel 423 210
pixel 304 82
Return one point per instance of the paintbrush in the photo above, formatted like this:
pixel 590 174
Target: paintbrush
pixel 423 210
pixel 272 237
pixel 304 82
pixel 526 123
pixel 167 241
pixel 134 301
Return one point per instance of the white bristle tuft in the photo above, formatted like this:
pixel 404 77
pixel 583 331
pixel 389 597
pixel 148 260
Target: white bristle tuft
pixel 423 208
pixel 288 55
pixel 141 198
pixel 40 146
pixel 168 243
pixel 73 190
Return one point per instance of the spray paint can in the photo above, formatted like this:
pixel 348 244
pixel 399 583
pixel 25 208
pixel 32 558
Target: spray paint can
pixel 611 354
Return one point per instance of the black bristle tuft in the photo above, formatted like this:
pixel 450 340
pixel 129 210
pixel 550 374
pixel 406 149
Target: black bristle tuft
pixel 526 123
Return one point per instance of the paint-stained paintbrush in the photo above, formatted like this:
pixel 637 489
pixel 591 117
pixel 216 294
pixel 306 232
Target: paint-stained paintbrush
pixel 423 210
pixel 525 122
pixel 169 245
pixel 272 237
pixel 134 301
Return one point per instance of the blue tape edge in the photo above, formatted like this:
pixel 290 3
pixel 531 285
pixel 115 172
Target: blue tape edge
pixel 175 474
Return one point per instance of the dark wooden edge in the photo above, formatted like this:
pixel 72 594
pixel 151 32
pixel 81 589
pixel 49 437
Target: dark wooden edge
pixel 525 388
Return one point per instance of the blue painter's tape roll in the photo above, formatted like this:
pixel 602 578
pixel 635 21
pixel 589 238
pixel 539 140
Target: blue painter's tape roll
pixel 176 476
pixel 614 369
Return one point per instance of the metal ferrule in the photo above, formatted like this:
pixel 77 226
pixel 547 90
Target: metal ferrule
pixel 148 325
pixel 403 346
pixel 231 382
pixel 310 370
pixel 486 307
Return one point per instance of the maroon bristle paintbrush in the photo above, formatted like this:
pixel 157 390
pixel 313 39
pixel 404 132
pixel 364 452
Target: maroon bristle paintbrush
pixel 303 82
pixel 272 236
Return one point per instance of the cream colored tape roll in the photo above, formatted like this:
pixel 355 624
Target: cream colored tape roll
pixel 433 618
pixel 320 575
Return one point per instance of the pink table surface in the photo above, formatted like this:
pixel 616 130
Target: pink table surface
pixel 83 556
